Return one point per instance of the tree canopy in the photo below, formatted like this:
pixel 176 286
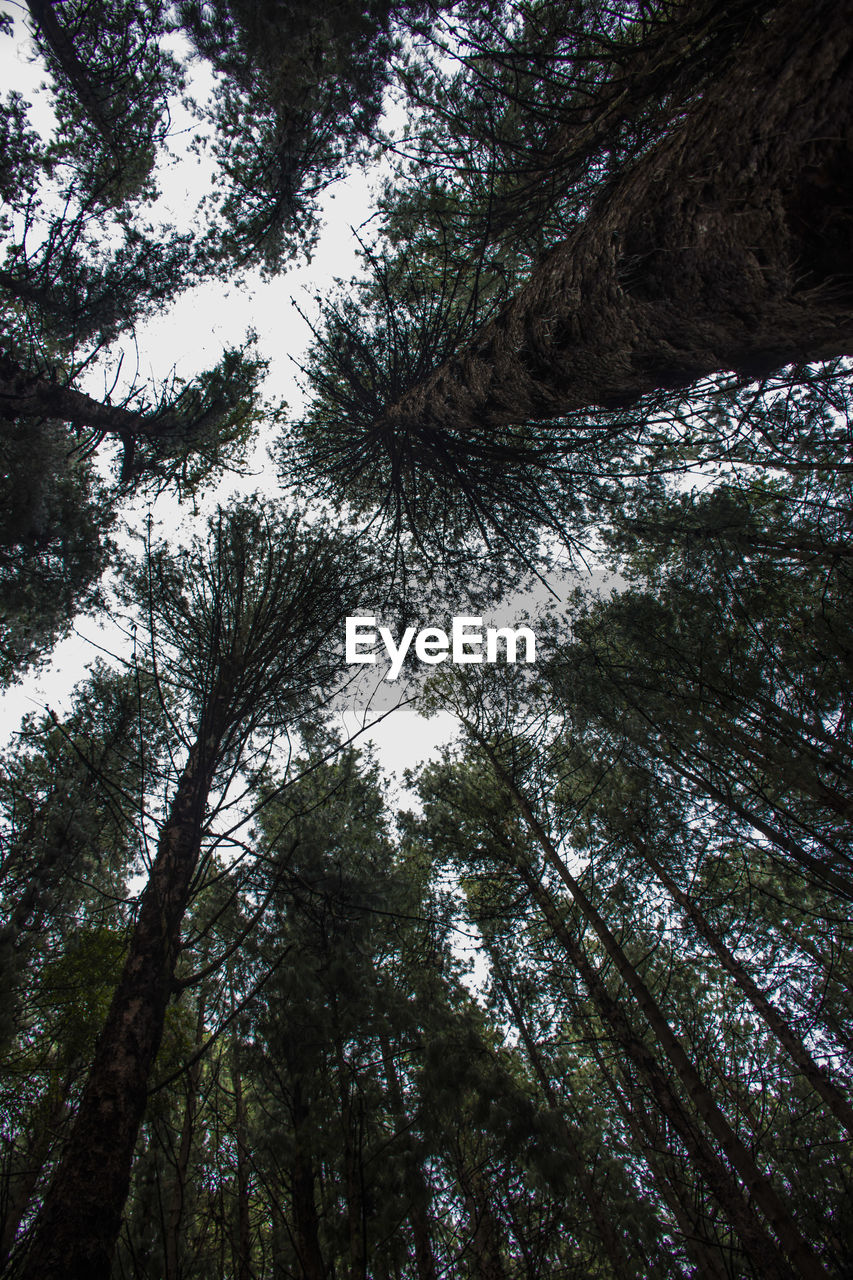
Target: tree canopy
pixel 573 997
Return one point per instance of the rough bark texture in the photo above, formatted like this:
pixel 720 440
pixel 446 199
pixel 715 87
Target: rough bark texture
pixel 728 247
pixel 80 1219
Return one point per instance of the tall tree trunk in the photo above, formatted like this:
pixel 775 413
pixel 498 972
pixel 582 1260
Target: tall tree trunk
pixel 173 1230
pixel 25 1171
pixel 727 246
pixel 758 1185
pixel 243 1261
pixel 79 1222
pixel 305 1222
pixel 609 1236
pixel 706 1259
pixel 758 1246
pixel 485 1245
pixel 417 1183
pixel 817 1076
pixel 817 868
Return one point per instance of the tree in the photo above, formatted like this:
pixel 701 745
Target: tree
pixel 252 621
pixel 662 282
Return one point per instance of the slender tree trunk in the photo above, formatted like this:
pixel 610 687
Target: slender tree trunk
pixel 243 1262
pixel 350 1127
pixel 705 1258
pixel 758 1246
pixel 25 1172
pixel 727 246
pixel 419 1188
pixel 79 1222
pixel 757 1183
pixel 485 1247
pixel 611 1240
pixel 817 1076
pixel 175 1210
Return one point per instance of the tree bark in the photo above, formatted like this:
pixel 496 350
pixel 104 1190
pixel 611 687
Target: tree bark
pixel 757 1183
pixel 76 1230
pixel 817 1076
pixel 417 1183
pixel 705 1258
pixel 28 394
pixel 175 1212
pixel 729 246
pixel 610 1238
pixel 243 1260
pixel 758 1246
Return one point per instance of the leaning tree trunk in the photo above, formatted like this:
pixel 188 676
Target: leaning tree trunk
pixel 818 1077
pixel 759 1186
pixel 757 1244
pixel 729 246
pixel 79 1222
pixel 607 1229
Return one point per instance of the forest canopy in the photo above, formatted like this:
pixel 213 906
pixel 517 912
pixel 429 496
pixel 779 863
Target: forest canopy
pixel 574 997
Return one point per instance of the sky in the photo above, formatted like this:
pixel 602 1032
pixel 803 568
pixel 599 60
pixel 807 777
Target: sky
pixel 189 337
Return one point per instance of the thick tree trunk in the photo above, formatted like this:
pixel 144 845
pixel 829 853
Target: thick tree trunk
pixel 729 246
pixel 80 1219
pixel 305 1221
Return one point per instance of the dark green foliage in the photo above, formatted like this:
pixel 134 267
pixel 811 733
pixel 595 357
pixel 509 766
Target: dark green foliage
pixel 54 540
pixel 586 1013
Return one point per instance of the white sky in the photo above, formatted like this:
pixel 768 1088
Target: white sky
pixel 188 337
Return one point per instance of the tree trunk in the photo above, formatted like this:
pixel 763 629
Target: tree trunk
pixel 817 1076
pixel 758 1246
pixel 243 1261
pixel 705 1258
pixel 305 1224
pixel 25 393
pixel 61 46
pixel 609 1236
pixel 175 1211
pixel 79 1222
pixel 758 1185
pixel 727 247
pixel 417 1184
pixel 24 1174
